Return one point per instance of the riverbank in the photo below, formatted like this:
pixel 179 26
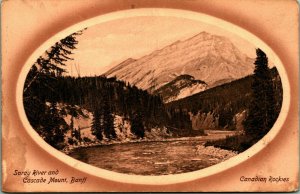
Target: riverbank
pixel 210 135
pixel 178 155
pixel 238 143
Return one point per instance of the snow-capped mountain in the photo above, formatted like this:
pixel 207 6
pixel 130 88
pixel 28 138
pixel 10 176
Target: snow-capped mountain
pixel 181 87
pixel 211 58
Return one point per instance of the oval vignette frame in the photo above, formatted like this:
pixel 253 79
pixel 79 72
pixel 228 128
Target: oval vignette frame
pixel 162 179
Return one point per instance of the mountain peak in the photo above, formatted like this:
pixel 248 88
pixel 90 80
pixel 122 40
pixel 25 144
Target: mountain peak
pixel 204 56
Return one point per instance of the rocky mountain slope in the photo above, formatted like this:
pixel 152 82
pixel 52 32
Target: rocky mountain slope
pixel 181 87
pixel 213 59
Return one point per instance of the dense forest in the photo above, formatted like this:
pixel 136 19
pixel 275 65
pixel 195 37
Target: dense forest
pixel 49 96
pixel 226 100
pixel 263 107
pixel 104 98
pixel 99 94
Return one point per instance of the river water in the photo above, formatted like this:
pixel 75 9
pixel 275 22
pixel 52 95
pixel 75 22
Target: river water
pixel 157 157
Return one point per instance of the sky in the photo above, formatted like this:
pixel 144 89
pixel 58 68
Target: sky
pixel 107 44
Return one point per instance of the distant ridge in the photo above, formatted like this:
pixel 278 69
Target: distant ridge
pixel 211 58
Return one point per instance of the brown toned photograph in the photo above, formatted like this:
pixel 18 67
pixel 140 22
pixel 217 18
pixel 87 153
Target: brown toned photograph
pixel 152 99
pixel 145 96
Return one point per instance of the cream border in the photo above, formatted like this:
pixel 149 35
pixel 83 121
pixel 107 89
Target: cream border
pixel 165 179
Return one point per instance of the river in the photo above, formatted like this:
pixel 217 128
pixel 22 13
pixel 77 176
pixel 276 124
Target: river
pixel 156 157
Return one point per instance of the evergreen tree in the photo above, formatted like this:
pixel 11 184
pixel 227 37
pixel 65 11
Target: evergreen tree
pixel 108 119
pixel 41 79
pixel 53 61
pixel 54 131
pixel 137 126
pixel 261 113
pixel 97 125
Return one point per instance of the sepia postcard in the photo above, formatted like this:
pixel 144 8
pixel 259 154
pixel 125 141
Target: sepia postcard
pixel 150 96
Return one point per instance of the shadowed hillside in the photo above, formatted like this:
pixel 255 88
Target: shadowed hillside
pixel 223 103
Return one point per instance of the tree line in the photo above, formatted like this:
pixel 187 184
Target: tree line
pixel 263 107
pixel 43 113
pixel 106 97
pixel 226 100
pixel 49 96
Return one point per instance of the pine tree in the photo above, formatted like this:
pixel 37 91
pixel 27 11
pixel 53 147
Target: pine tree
pixel 54 131
pixel 43 77
pixel 53 61
pixel 137 126
pixel 97 125
pixel 108 118
pixel 261 113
